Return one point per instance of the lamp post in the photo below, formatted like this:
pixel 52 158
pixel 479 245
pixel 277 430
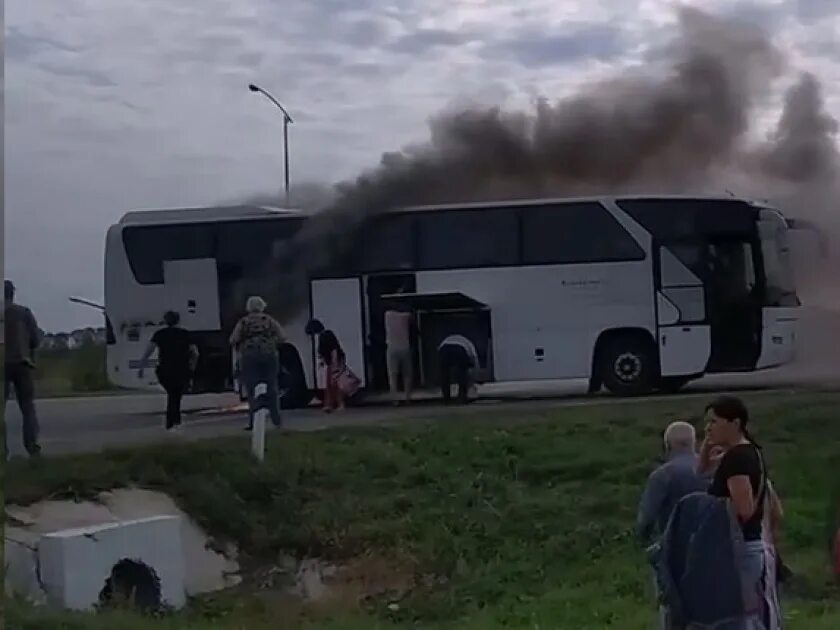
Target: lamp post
pixel 286 120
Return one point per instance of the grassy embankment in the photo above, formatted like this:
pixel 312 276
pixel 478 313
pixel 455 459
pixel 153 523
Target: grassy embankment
pixel 496 520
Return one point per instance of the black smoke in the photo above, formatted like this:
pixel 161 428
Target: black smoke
pixel 686 128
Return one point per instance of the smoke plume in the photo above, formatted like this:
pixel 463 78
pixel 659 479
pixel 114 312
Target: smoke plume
pixel 686 130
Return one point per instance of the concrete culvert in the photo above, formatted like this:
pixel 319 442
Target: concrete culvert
pixel 132 584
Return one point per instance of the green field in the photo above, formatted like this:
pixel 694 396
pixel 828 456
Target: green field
pixel 503 518
pixel 71 372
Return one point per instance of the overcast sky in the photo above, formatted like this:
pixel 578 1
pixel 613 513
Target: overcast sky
pixel 114 105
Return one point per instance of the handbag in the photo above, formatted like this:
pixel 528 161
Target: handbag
pixel 348 382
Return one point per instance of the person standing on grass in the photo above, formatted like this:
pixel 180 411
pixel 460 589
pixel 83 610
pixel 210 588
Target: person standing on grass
pixel 177 359
pixel 670 482
pixel 256 339
pixel 22 339
pixel 776 571
pixel 398 342
pixel 741 476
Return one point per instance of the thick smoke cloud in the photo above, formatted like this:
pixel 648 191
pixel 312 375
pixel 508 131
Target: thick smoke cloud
pixel 685 129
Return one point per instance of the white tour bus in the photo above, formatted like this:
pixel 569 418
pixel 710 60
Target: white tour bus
pixel 636 294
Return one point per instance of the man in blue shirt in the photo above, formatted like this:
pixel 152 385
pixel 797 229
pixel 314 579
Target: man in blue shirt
pixel 670 482
pixel 666 485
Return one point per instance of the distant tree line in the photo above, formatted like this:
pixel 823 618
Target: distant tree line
pixel 73 340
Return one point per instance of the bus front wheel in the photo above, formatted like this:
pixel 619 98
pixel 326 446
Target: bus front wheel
pixel 627 365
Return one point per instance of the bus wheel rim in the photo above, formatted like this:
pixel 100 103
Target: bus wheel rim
pixel 628 367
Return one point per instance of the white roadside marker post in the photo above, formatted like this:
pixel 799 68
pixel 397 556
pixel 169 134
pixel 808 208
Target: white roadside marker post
pixel 258 432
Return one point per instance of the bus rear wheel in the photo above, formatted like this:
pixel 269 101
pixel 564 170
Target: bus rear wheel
pixel 292 379
pixel 627 365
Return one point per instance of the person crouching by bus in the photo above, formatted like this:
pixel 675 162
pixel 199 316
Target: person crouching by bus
pixel 458 360
pixel 256 340
pixel 177 359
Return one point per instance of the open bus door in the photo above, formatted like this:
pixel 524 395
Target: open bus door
pixel 337 303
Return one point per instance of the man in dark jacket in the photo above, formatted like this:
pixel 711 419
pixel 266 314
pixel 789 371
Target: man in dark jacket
pixel 22 338
pixel 697 566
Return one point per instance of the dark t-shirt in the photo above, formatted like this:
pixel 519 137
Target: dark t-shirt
pixel 173 350
pixel 743 459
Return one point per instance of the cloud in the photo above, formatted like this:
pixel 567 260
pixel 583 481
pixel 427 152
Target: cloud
pixel 426 39
pixel 144 105
pixel 20 46
pixel 531 48
pixel 812 10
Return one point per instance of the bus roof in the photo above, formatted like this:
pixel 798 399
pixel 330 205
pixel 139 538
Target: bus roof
pixel 247 212
pixel 211 213
pixel 592 198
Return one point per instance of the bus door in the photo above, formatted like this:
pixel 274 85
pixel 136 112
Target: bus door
pixel 376 287
pixel 734 304
pixel 683 329
pixel 337 303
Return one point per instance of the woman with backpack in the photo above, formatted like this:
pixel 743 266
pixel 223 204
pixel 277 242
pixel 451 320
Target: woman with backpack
pixel 741 476
pixel 255 340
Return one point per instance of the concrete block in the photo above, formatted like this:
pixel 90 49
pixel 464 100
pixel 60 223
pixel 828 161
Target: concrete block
pixel 75 563
pixel 22 577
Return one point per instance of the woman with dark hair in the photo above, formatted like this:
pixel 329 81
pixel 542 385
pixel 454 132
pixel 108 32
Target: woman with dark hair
pixel 332 357
pixel 740 476
pixel 177 358
pixel 339 381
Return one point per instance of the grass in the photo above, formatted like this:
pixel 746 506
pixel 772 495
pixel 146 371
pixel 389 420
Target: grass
pixel 71 372
pixel 500 521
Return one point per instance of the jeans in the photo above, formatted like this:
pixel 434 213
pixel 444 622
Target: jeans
pixel 261 367
pixel 752 563
pixel 19 375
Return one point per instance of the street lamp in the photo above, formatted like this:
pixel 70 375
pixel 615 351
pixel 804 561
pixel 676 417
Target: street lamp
pixel 286 120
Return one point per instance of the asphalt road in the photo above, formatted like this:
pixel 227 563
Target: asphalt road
pixel 74 425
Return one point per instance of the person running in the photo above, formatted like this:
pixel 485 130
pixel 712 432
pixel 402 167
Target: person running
pixel 22 339
pixel 256 339
pixel 740 476
pixel 177 359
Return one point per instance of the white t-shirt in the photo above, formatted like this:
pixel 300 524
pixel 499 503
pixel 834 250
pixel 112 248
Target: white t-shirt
pixel 466 344
pixel 397 330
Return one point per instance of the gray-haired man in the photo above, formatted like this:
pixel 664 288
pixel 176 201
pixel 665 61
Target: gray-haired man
pixel 670 482
pixel 666 485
